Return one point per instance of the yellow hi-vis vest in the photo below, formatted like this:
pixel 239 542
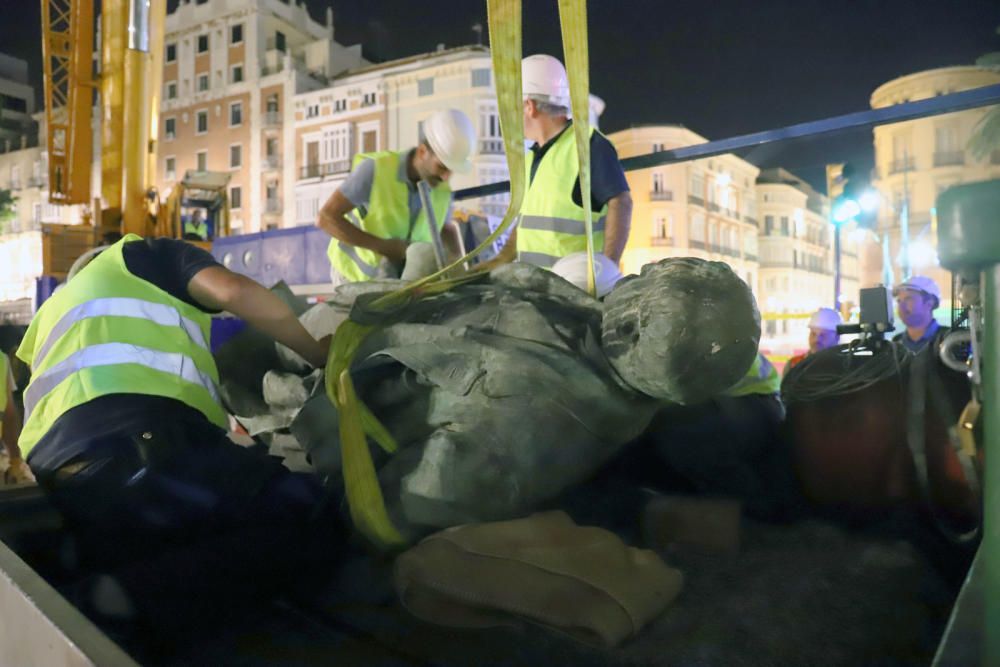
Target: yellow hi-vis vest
pixel 201 231
pixel 551 225
pixel 762 378
pixel 387 217
pixel 4 388
pixel 108 331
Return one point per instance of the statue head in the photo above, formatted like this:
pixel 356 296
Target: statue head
pixel 683 330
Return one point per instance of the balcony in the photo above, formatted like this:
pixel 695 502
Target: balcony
pixel 325 169
pixel 661 195
pixel 272 119
pixel 949 158
pixel 751 221
pixel 660 241
pixel 272 162
pixel 698 201
pixel 731 213
pixel 750 258
pixel 272 205
pixel 491 146
pixel 36 182
pixel 696 244
pixel 899 166
pixel 713 207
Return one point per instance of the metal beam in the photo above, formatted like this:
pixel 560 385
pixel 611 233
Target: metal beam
pixel 967 99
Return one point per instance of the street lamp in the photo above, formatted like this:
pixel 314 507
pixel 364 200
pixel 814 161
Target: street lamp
pixel 858 202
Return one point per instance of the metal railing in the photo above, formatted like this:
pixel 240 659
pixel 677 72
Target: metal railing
pixel 696 200
pixel 491 146
pixel 325 169
pixel 272 118
pixel 272 205
pixel 899 166
pixel 713 207
pixel 661 195
pixel 949 158
pixel 693 243
pixel 752 221
pixel 661 241
pixel 272 162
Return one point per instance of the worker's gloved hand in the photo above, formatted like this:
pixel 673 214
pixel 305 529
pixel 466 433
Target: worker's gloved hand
pixel 18 473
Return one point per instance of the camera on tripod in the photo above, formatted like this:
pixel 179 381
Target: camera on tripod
pixel 876 315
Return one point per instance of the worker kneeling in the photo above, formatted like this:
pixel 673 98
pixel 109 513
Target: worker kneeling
pixel 124 430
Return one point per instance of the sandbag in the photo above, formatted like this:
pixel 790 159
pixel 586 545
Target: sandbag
pixel 544 569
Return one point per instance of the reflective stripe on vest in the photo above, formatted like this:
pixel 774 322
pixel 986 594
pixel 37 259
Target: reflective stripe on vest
pixel 551 224
pixel 110 354
pixel 110 332
pixel 762 378
pixel 387 217
pixel 121 307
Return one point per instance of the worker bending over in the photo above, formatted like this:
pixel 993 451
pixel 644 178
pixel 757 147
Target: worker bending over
pixel 377 212
pixel 125 431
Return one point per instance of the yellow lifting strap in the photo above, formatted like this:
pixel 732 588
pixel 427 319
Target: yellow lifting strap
pixel 573 19
pixel 357 423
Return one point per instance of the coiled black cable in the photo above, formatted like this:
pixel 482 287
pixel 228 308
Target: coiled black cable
pixel 844 369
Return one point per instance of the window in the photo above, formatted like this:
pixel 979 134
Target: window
pixel 272 103
pixel 368 100
pixel 169 128
pixel 663 227
pixel 425 87
pixel 202 160
pixel 657 148
pixel 170 168
pixel 236 74
pixel 171 53
pixel 172 90
pixel 202 82
pixel 481 77
pixel 235 114
pixel 340 105
pixel 236 34
pixel 698 228
pixel 784 225
pixel 203 43
pixel 279 41
pixel 312 111
pixel 271 147
pixel 201 121
pixel 235 156
pixel 235 197
pixel 657 182
pixel 768 225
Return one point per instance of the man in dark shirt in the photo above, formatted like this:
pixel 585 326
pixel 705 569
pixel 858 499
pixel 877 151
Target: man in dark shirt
pixel 151 487
pixel 546 122
pixel 916 300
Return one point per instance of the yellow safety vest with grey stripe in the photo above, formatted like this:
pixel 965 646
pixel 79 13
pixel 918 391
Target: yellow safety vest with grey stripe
pixel 387 217
pixel 762 378
pixel 110 332
pixel 551 224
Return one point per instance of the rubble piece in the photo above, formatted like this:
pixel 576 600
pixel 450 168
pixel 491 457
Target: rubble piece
pixel 708 524
pixel 420 261
pixel 285 446
pixel 288 390
pixel 273 421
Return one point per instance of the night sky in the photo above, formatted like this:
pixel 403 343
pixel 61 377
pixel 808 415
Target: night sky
pixel 721 68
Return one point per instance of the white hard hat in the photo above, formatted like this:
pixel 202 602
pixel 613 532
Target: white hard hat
pixel 544 78
pixel 573 268
pixel 920 284
pixel 452 137
pixel 826 319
